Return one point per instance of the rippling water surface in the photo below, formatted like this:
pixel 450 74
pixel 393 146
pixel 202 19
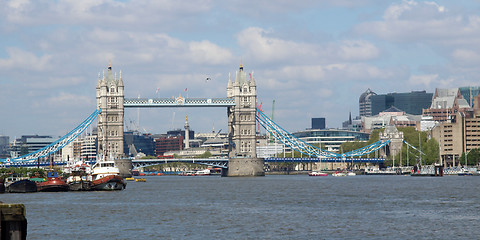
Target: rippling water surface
pixel 270 207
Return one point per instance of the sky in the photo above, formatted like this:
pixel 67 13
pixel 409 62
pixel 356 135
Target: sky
pixel 313 57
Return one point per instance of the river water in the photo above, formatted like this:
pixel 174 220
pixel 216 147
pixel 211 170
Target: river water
pixel 270 207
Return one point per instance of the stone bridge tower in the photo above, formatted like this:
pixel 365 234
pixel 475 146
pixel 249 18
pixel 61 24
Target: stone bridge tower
pixel 243 159
pixel 110 96
pixel 396 141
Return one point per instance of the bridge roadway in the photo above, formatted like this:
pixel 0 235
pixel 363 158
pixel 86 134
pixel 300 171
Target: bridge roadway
pixel 223 162
pixel 216 162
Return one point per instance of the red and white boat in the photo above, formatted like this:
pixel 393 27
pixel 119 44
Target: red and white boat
pixel 317 174
pixel 54 183
pixel 106 176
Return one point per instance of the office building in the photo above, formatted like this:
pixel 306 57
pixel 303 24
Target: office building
pixel 458 135
pixel 136 143
pixel 411 103
pixel 4 146
pixel 468 93
pixel 331 139
pixel 318 123
pixel 445 104
pixel 365 103
pixel 165 144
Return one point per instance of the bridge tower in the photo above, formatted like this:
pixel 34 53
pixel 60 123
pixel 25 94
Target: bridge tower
pixel 110 96
pixel 396 141
pixel 243 159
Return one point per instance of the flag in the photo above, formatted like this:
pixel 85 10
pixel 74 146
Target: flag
pixel 186 89
pixel 157 90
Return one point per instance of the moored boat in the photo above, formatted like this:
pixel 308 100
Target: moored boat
pixel 20 185
pixel 2 185
pixel 188 173
pixel 53 183
pixel 106 176
pixel 79 180
pixel 339 174
pixel 203 172
pixel 351 173
pixel 317 174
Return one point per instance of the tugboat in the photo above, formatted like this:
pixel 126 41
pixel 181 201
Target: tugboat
pixel 106 176
pixel 78 181
pixel 54 183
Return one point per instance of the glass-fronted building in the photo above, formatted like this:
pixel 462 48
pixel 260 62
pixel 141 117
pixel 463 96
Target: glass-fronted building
pixel 331 139
pixel 411 103
pixel 469 93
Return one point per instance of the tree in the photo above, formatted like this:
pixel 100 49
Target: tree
pixel 206 154
pixel 473 157
pixel 416 138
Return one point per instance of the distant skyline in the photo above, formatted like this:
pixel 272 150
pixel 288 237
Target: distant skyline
pixel 314 58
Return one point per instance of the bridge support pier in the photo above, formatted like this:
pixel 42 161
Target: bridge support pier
pixel 125 167
pixel 245 167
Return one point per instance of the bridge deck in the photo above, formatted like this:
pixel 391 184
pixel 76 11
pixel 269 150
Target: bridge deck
pixel 178 102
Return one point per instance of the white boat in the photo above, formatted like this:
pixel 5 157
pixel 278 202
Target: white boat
pixel 351 174
pixel 317 174
pixel 339 174
pixel 106 176
pixel 203 172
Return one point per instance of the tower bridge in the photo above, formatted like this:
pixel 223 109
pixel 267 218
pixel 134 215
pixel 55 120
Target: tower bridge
pixel 242 113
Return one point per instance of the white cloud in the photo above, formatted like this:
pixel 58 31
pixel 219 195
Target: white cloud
pixel 356 50
pixel 65 99
pixel 466 57
pixel 260 45
pixel 21 59
pixel 428 22
pixel 209 53
pixel 425 80
pixel 263 48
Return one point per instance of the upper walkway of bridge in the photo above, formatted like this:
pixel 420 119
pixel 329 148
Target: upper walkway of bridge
pixel 178 102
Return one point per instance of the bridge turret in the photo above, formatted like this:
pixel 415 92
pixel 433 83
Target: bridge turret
pixel 241 124
pixel 110 97
pixel 396 140
pixel 229 87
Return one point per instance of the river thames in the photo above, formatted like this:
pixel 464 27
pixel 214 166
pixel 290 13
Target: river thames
pixel 270 207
